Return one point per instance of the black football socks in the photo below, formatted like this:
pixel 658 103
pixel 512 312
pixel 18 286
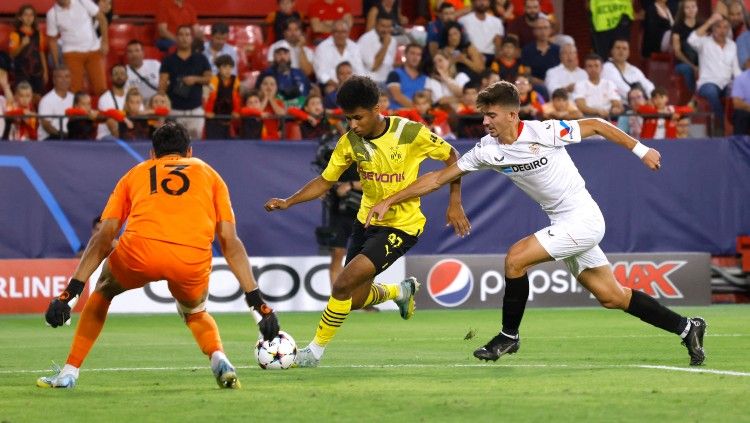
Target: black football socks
pixel 646 308
pixel 514 304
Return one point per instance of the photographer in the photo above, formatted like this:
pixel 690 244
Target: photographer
pixel 293 84
pixel 340 207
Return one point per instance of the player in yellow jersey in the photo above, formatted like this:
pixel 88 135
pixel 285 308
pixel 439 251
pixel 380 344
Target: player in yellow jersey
pixel 388 152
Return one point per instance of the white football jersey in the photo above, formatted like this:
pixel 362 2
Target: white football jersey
pixel 537 162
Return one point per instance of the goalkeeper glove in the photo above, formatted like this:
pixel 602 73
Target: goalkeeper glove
pixel 268 324
pixel 58 311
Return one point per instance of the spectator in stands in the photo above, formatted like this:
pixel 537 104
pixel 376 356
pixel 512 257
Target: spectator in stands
pixel 105 8
pixel 683 128
pixel 336 49
pixel 567 73
pixel 251 124
pixel 28 48
pixel 531 101
pixel 540 56
pixel 83 53
pixel 182 77
pixel 218 46
pixel 112 100
pixel 717 59
pixel 631 123
pixel 462 52
pixel 610 21
pixel 344 71
pixel 446 13
pixel 142 73
pixel 507 64
pixel 224 99
pixel 390 8
pixel 468 120
pixel 662 127
pixel 518 7
pixel 657 28
pixel 159 105
pixel 324 14
pixel 404 81
pixel 484 30
pixel 380 47
pixel 687 58
pixel 294 40
pixel 488 78
pixel 445 83
pixel 434 118
pixel 272 108
pixel 316 122
pixel 293 85
pixel 54 103
pixel 384 102
pixel 741 102
pixel 134 127
pixel 561 107
pixel 596 96
pixel 22 121
pixel 82 118
pixel 170 16
pixel 737 16
pixel 278 19
pixel 503 9
pixel 523 26
pixel 622 73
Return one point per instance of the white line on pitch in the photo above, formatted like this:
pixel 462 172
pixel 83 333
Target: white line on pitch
pixel 417 366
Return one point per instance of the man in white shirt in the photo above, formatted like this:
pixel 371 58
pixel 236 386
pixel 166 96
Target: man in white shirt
pixel 336 49
pixel 596 96
pixel 113 99
pixel 294 40
pixel 142 73
pixel 532 154
pixel 83 52
pixel 622 73
pixel 485 31
pixel 55 102
pixel 379 49
pixel 567 73
pixel 717 63
pixel 217 46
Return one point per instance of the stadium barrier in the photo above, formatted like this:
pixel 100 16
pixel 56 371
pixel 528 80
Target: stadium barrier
pixel 302 283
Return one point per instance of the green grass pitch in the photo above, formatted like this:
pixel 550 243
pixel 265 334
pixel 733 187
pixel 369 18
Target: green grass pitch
pixel 574 365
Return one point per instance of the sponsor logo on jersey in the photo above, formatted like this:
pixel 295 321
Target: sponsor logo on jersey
pixel 650 277
pixel 381 177
pixel 450 282
pixel 567 131
pixel 536 164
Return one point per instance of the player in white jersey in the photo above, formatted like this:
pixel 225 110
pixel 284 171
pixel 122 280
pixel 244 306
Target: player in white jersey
pixel 532 154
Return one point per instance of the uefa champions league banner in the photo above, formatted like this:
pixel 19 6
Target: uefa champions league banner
pixel 476 281
pixel 287 283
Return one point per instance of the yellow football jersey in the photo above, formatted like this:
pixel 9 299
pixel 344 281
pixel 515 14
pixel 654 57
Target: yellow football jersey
pixel 386 165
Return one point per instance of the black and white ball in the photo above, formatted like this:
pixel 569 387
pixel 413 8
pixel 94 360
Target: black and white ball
pixel 277 353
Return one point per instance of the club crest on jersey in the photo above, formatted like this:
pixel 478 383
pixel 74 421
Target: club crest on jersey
pixel 567 131
pixel 534 148
pixel 396 155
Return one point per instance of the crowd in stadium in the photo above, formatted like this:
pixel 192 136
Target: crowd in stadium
pixel 63 75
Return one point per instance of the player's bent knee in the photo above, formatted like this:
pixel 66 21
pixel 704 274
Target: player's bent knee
pixel 613 301
pixel 187 309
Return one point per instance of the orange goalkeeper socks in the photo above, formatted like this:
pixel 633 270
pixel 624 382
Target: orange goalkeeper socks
pixel 89 326
pixel 205 332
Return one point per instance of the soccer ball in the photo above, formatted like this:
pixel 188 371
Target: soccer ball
pixel 277 353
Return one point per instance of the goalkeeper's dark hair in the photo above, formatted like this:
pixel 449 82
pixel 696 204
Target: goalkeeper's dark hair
pixel 170 138
pixel 358 91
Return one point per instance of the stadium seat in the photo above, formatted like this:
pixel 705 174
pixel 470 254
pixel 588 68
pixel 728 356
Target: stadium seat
pixel 400 56
pixel 151 52
pixel 120 35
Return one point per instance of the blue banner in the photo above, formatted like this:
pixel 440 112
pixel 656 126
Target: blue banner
pixel 698 201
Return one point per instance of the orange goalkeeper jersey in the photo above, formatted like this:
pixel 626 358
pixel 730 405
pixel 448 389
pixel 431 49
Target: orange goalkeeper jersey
pixel 173 199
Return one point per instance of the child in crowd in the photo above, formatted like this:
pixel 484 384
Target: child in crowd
pixel 28 48
pixel 251 125
pixel 20 108
pixel 662 127
pixel 507 65
pixel 561 107
pixel 134 126
pixel 423 112
pixel 531 101
pixel 314 121
pixel 384 102
pixel 468 121
pixel 160 106
pixel 82 118
pixel 224 99
pixel 272 107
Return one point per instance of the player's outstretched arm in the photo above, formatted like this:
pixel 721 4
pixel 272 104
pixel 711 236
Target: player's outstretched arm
pixel 649 156
pixel 425 184
pixel 236 256
pixel 312 190
pixel 455 215
pixel 99 246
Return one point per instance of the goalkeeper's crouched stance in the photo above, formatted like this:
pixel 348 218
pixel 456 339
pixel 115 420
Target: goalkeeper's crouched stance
pixel 174 204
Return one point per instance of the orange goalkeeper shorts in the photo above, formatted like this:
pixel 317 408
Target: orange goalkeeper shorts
pixel 136 261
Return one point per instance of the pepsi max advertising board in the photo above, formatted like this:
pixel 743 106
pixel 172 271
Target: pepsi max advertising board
pixel 477 281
